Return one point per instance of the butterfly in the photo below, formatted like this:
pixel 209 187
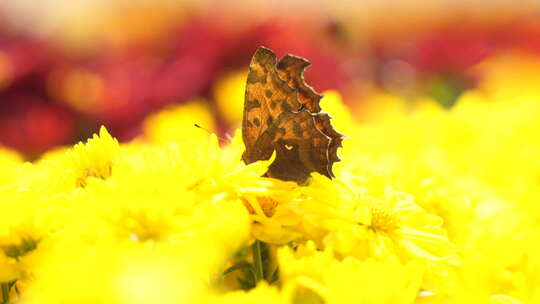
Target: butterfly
pixel 282 114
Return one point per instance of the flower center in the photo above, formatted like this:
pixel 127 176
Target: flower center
pixel 383 217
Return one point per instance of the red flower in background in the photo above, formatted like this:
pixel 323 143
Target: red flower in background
pixel 34 126
pixel 29 122
pixel 119 87
pixel 70 94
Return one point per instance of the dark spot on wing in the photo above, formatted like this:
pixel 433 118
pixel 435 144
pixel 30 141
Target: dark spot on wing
pixel 257 122
pixel 249 124
pixel 251 104
pixel 285 106
pixel 268 93
pixel 273 105
pixel 269 120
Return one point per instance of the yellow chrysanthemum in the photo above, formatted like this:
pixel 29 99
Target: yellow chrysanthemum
pixel 9 162
pixel 69 169
pixel 362 225
pixel 95 158
pixel 22 230
pixel 312 276
pixel 132 232
pixel 121 273
pixel 8 268
pixel 262 294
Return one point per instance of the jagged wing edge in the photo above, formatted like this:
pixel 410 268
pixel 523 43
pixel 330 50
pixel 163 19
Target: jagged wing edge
pixel 302 64
pixel 322 122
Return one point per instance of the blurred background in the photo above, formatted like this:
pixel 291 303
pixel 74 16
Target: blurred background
pixel 69 66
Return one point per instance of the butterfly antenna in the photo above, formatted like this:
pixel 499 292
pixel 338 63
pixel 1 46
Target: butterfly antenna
pixel 221 139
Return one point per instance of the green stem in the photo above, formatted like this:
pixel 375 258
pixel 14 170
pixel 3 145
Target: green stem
pixel 5 293
pixel 257 261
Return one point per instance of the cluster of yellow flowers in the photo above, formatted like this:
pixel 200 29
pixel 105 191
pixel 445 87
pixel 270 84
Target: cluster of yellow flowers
pixel 429 205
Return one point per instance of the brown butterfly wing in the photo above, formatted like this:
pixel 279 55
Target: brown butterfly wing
pixel 291 69
pixel 300 148
pixel 281 114
pixel 267 96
